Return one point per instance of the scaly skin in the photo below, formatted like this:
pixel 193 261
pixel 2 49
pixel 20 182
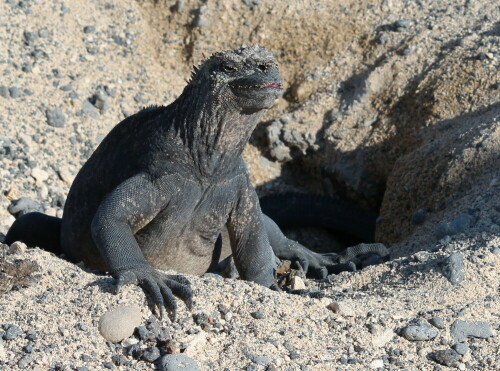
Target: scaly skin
pixel 166 182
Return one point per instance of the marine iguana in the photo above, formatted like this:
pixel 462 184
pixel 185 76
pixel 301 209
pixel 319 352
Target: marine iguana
pixel 166 181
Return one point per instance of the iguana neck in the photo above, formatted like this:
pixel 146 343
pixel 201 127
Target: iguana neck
pixel 213 132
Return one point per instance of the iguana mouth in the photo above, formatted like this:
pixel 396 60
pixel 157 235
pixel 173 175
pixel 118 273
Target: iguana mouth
pixel 273 85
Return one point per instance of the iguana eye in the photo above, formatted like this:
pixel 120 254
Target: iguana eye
pixel 228 68
pixel 263 67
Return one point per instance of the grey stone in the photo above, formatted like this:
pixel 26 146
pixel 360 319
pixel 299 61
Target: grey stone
pixel 260 360
pixel 437 322
pixel 177 362
pixel 89 29
pixel 418 332
pixel 119 323
pixel 24 361
pixel 461 330
pixel 461 348
pixel 150 354
pixel 44 32
pixel 31 335
pixel 14 92
pixel 12 332
pixel 23 206
pixel 454 268
pixel 88 109
pixel 144 334
pixel 100 101
pixel 4 91
pixel 257 314
pixel 55 117
pixel 67 87
pixel 27 67
pixel 447 357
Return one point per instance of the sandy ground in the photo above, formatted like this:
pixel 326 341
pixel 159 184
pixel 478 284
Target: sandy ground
pixel 392 104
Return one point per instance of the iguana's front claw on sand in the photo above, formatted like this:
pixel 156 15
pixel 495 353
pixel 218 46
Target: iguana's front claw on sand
pixel 159 287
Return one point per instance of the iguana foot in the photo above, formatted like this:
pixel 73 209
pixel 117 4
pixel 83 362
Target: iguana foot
pixel 160 287
pixel 319 266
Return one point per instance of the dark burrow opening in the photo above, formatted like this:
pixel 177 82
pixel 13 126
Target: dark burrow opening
pixel 314 207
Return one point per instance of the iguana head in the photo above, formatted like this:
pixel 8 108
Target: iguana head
pixel 246 78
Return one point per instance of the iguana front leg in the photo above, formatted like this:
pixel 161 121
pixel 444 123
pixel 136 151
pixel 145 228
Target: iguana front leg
pixel 252 253
pixel 128 208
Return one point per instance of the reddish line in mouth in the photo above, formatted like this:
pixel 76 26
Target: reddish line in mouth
pixel 273 85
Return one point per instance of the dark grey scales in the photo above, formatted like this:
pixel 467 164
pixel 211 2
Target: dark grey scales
pixel 168 184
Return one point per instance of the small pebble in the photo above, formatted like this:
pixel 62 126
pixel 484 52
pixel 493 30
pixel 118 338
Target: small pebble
pixel 31 335
pixel 4 91
pixel 447 357
pixel 298 283
pixel 108 365
pixel 11 332
pixel 89 29
pixel 177 362
pixel 200 318
pixel 17 247
pixel 55 117
pixel 14 92
pixel 437 322
pixel 344 309
pixel 454 268
pixel 144 334
pixel 257 314
pixel 24 361
pixel 120 323
pixel 150 354
pixel 460 348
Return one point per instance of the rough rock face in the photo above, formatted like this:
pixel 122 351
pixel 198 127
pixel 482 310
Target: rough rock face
pixel 392 104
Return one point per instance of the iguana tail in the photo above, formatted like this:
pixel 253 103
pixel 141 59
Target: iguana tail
pixel 36 229
pixel 334 214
